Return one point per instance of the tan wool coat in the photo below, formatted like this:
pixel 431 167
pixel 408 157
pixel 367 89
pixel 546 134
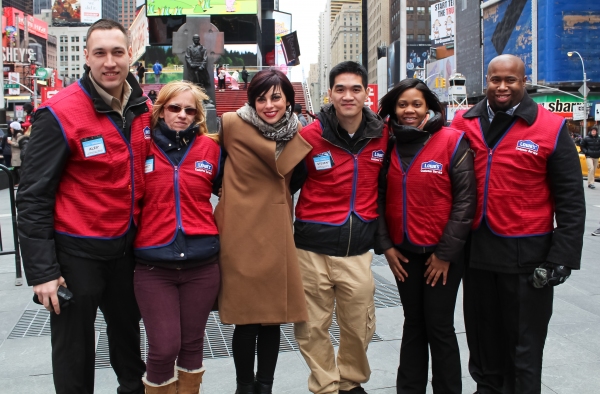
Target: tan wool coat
pixel 260 276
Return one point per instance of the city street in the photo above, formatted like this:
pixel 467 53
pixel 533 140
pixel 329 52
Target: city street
pixel 571 363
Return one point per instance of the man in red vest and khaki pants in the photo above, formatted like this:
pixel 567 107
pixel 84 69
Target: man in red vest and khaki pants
pixel 528 177
pixel 79 204
pixel 336 219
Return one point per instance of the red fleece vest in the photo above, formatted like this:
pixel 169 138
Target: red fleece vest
pixel 513 193
pixel 419 201
pixel 103 180
pixel 178 196
pixel 339 182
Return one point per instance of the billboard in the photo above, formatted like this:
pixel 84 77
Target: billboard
pixel 438 73
pixel 283 26
pixel 35 26
pixel 442 22
pixel 76 12
pixel 507 29
pixel 200 7
pixel 139 36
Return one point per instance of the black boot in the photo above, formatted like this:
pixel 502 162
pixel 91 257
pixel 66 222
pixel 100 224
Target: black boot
pixel 245 388
pixel 261 388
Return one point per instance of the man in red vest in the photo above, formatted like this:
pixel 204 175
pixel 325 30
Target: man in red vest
pixel 79 203
pixel 528 178
pixel 336 219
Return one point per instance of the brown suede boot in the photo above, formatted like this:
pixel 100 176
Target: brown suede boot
pixel 189 382
pixel 167 388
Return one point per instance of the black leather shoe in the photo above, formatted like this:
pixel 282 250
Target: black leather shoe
pixel 245 388
pixel 355 390
pixel 261 388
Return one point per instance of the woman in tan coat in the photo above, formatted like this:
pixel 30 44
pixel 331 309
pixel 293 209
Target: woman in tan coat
pixel 261 284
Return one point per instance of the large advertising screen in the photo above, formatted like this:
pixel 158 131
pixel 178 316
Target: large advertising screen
pixel 200 7
pixel 76 12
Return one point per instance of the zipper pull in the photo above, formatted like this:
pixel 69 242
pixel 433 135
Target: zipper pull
pixel 176 167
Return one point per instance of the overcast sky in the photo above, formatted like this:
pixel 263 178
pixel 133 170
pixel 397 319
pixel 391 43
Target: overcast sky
pixel 305 21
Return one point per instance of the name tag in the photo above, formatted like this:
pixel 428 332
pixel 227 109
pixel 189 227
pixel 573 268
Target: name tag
pixel 149 166
pixel 93 146
pixel 323 161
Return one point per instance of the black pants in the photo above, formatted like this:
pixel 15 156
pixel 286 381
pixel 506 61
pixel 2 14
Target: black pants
pixel 428 325
pixel 108 285
pixel 255 339
pixel 506 319
pixel 221 83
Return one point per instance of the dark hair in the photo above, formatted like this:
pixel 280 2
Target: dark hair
pixel 387 104
pixel 264 80
pixel 348 67
pixel 27 107
pixel 106 24
pixel 298 108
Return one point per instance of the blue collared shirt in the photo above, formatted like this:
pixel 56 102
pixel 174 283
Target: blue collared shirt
pixel 491 113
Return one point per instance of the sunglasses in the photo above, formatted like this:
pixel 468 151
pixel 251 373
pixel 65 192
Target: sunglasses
pixel 177 109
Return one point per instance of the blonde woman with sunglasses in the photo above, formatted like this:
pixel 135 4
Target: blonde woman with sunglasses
pixel 177 246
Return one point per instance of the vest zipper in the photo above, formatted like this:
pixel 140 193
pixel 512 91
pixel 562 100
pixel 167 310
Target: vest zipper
pixel 352 198
pixel 177 202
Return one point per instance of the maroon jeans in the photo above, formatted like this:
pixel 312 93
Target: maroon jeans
pixel 175 305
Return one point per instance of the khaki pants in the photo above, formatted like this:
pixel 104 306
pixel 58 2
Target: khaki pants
pixel 591 165
pixel 348 283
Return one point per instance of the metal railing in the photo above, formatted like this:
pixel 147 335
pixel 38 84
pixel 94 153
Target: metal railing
pixel 13 212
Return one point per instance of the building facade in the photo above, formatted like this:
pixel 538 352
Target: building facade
pixel 346 34
pixel 378 31
pixel 52 52
pixel 111 9
pixel 126 12
pixel 21 5
pixel 39 5
pixel 71 43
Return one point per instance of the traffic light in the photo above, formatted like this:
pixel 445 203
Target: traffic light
pixel 326 100
pixel 443 82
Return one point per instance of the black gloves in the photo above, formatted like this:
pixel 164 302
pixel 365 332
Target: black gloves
pixel 549 274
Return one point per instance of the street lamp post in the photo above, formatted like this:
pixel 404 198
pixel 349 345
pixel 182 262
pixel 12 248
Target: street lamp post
pixel 584 92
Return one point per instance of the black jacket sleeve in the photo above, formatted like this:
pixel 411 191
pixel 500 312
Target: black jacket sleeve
pixel 383 241
pixel 464 201
pixel 47 154
pixel 583 145
pixel 564 176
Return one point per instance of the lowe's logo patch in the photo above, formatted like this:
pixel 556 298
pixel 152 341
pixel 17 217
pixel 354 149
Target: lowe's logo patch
pixel 204 166
pixel 377 155
pixel 147 133
pixel 431 166
pixel 528 146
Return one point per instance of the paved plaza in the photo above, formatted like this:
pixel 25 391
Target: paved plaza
pixel 571 362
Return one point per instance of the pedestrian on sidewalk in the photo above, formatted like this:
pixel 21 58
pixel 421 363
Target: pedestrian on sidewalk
pixel 222 75
pixel 177 272
pixel 336 221
pixel 298 112
pixel 528 178
pixel 79 205
pixel 590 147
pixel 245 77
pixel 7 147
pixel 152 95
pixel 15 161
pixel 141 71
pixel 261 284
pixel 426 208
pixel 157 68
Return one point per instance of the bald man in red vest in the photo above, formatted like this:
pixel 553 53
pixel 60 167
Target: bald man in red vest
pixel 528 179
